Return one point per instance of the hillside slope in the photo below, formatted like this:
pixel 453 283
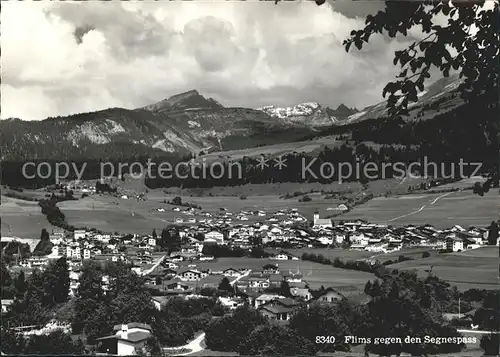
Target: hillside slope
pixel 180 124
pixel 190 123
pixel 438 97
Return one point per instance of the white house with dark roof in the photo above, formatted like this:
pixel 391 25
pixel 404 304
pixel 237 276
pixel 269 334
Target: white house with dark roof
pixel 280 309
pixel 6 303
pixel 214 236
pixel 125 341
pixel 454 244
pixel 191 275
pixel 330 295
pixel 302 292
pixel 265 298
pixel 79 234
pixel 159 301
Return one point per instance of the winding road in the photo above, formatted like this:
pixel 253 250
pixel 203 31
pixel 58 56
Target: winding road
pixel 194 346
pixel 240 277
pixel 146 272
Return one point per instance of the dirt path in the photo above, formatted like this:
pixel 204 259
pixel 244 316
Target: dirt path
pixel 194 346
pixel 421 208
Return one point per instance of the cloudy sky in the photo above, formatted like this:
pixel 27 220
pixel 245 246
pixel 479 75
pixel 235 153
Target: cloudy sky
pixel 60 58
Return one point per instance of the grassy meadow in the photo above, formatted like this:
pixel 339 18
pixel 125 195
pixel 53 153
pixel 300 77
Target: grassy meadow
pixel 476 268
pixel 22 219
pixel 443 210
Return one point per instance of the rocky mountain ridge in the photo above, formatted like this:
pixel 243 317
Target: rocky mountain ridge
pixel 189 123
pixel 310 113
pixel 181 124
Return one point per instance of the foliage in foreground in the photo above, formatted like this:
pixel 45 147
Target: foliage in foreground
pixel 401 305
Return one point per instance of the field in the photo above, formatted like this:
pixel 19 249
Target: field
pixel 345 255
pixel 313 273
pixel 476 268
pixel 467 183
pixel 26 195
pixel 111 214
pixel 441 210
pixel 414 253
pixel 377 187
pixel 328 253
pixel 22 219
pixel 306 146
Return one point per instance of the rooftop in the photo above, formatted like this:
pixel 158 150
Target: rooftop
pixel 133 325
pixel 132 337
pixel 276 309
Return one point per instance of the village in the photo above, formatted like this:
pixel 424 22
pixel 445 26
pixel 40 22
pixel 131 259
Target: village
pixel 256 258
pixel 282 229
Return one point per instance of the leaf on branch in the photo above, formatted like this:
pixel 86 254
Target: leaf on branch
pixel 347 46
pixel 412 94
pixel 446 9
pixel 420 85
pixel 405 58
pixel 391 87
pixel 397 56
pixel 426 24
pixel 392 100
pixel 424 45
pixel 447 55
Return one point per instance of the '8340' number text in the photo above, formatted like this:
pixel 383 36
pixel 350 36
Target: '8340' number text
pixel 325 339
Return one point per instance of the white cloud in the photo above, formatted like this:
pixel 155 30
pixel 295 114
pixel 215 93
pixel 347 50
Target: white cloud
pixel 132 54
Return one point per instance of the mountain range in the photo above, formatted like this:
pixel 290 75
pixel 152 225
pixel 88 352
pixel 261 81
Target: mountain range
pixel 189 123
pixel 181 124
pixel 310 113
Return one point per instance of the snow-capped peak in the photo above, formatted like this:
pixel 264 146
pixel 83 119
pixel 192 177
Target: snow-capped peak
pixel 301 109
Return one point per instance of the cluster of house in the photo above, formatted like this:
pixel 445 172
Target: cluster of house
pixel 254 284
pixel 226 228
pixel 131 337
pixel 359 235
pixel 80 186
pixel 81 245
pixel 384 239
pixel 170 281
pixel 281 308
pixel 224 217
pixel 142 252
pixel 183 272
pixel 169 278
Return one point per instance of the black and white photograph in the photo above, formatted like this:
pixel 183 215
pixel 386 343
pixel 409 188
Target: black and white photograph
pixel 250 178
